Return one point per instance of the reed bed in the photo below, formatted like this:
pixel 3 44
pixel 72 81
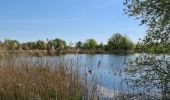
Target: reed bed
pixel 32 79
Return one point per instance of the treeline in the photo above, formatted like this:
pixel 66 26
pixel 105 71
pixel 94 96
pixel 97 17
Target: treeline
pixel 116 43
pixel 37 45
pixel 154 47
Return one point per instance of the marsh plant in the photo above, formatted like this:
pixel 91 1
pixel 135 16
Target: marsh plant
pixel 29 78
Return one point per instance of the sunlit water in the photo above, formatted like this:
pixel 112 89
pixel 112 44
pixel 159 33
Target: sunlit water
pixel 107 69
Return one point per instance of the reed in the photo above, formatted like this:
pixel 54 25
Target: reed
pixel 32 79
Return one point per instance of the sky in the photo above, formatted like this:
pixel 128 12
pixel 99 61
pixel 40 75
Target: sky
pixel 70 20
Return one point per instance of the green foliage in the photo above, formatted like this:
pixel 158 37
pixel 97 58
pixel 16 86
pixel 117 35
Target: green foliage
pixel 40 45
pixel 149 71
pixel 119 42
pixel 79 44
pixel 11 45
pixel 152 48
pixel 90 44
pixel 31 45
pixel 57 44
pixel 155 14
pixel 100 46
pixel 152 70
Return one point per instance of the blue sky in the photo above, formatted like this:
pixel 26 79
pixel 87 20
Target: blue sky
pixel 71 20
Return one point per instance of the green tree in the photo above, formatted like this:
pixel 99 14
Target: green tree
pixel 31 45
pixel 85 46
pixel 119 42
pixel 153 69
pixel 24 46
pixel 11 44
pixel 57 44
pixel 79 44
pixel 90 44
pixel 100 46
pixel 152 48
pixel 1 43
pixel 155 14
pixel 40 45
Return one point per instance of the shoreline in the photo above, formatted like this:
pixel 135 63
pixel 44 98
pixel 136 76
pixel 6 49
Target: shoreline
pixel 61 52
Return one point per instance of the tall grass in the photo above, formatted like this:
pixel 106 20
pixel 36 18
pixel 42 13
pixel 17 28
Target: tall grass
pixel 33 79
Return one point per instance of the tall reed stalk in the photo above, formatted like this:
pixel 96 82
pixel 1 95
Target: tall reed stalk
pixel 32 79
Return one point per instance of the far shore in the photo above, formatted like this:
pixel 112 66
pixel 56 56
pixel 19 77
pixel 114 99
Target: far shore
pixel 58 52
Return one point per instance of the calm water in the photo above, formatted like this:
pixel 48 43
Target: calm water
pixel 107 68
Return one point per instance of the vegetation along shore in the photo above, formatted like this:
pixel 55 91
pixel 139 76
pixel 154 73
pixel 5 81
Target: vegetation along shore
pixel 117 44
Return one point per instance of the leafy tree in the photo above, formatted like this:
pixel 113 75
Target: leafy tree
pixel 31 45
pixel 119 42
pixel 40 45
pixel 90 44
pixel 79 44
pixel 57 44
pixel 153 69
pixel 100 46
pixel 152 48
pixel 11 44
pixel 1 43
pixel 24 46
pixel 85 46
pixel 155 14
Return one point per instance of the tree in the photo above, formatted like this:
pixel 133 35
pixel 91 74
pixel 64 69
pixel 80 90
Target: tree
pixel 40 45
pixel 57 44
pixel 11 44
pixel 85 46
pixel 119 42
pixel 155 14
pixel 90 44
pixel 100 46
pixel 79 44
pixel 1 43
pixel 152 48
pixel 31 45
pixel 153 69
